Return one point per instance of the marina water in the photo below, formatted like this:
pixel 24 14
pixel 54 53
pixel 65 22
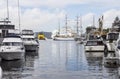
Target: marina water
pixel 58 60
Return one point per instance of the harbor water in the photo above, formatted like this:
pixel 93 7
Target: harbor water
pixel 58 60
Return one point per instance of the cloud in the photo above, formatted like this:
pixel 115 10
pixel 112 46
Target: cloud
pixel 44 20
pixel 37 18
pixel 34 18
pixel 62 3
pixel 109 17
pixel 48 3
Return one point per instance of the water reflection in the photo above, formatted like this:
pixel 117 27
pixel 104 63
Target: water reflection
pixel 59 60
pixel 12 69
pixel 12 65
pixel 75 59
pixel 111 73
pixel 96 68
pixel 19 68
pixel 30 58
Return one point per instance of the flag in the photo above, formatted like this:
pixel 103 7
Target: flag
pixel 102 17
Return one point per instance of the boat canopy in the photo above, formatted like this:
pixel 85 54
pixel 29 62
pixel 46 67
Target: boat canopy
pixel 12 39
pixel 28 36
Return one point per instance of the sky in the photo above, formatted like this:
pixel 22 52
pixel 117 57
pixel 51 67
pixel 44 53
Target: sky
pixel 45 15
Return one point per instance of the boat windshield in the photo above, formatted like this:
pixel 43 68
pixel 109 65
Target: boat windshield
pixel 28 39
pixel 118 44
pixel 12 44
pixel 94 43
pixel 113 36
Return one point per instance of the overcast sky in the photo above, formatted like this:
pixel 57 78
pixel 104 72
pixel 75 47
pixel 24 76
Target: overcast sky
pixel 43 15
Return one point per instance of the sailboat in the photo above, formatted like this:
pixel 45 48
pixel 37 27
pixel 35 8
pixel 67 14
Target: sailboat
pixel 65 34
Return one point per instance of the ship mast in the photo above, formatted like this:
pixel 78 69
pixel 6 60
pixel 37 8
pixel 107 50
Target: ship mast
pixel 66 24
pixel 81 25
pixel 77 26
pixel 59 26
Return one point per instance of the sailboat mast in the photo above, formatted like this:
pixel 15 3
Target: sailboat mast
pixel 19 16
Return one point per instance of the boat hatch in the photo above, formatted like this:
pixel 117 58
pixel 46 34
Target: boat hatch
pixel 94 43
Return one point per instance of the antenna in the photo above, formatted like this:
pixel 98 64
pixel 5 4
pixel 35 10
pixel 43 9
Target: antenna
pixel 19 16
pixel 7 12
pixel 93 21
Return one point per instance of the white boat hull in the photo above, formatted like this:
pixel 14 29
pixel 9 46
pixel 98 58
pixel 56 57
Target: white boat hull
pixel 12 55
pixel 111 61
pixel 63 39
pixel 1 73
pixel 94 54
pixel 117 53
pixel 94 48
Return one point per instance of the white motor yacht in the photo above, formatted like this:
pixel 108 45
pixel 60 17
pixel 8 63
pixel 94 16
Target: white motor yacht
pixel 12 47
pixel 29 40
pixel 94 46
pixel 110 41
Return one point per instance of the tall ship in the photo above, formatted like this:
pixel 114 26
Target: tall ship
pixel 64 34
pixel 79 37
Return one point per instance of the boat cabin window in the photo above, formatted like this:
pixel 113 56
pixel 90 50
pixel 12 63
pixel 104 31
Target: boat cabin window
pixel 12 44
pixel 6 44
pixel 94 43
pixel 28 39
pixel 17 44
pixel 100 43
